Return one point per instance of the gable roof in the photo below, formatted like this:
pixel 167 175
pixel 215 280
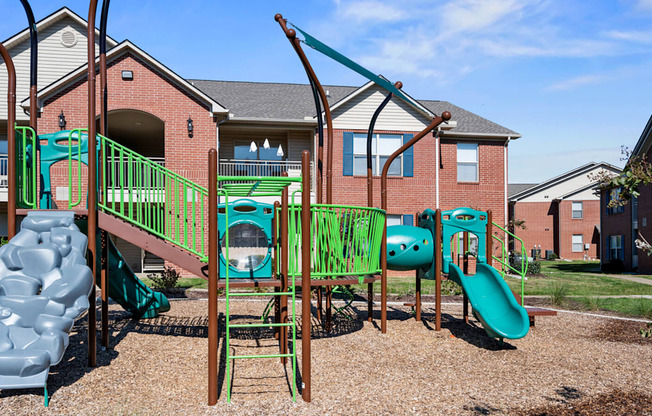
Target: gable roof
pixel 582 170
pixel 645 141
pixel 516 188
pixel 49 21
pixel 116 52
pixel 281 101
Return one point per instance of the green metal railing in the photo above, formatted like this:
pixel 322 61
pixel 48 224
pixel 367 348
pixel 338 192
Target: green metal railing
pixel 346 240
pixel 26 169
pixel 503 258
pixel 153 197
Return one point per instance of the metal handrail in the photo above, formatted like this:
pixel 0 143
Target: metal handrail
pixel 504 259
pixel 27 195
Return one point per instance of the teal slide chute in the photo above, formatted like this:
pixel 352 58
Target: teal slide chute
pixel 492 301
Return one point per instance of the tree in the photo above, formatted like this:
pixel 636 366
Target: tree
pixel 637 172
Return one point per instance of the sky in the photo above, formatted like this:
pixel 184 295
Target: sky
pixel 572 77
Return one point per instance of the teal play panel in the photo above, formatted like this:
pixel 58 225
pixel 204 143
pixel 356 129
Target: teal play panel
pixel 249 239
pixel 409 247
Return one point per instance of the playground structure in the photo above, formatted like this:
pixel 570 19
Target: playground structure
pixel 299 244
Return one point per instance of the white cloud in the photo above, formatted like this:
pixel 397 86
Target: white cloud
pixel 576 82
pixel 475 15
pixel 640 36
pixel 363 11
pixel 644 4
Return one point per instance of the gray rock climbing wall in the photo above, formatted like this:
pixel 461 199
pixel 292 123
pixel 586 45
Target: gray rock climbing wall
pixel 44 288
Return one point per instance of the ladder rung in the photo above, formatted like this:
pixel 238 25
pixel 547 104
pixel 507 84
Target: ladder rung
pixel 235 357
pixel 259 294
pixel 259 325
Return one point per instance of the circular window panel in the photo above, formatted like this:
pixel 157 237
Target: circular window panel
pixel 248 246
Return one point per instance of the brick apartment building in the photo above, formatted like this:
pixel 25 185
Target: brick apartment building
pixel 623 224
pixel 562 214
pixel 262 124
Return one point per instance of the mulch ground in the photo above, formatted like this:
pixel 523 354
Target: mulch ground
pixel 567 365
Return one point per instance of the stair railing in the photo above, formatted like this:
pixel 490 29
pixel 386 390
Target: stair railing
pixel 503 258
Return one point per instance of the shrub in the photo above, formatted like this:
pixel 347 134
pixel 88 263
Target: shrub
pixel 558 292
pixel 448 287
pixel 647 331
pixel 591 303
pixel 167 279
pixel 533 267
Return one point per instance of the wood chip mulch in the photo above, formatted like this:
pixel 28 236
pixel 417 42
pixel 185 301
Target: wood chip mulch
pixel 567 365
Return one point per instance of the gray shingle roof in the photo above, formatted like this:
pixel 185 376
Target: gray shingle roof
pixel 515 188
pixel 295 102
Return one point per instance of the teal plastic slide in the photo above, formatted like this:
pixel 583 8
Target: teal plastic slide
pixel 129 291
pixel 492 301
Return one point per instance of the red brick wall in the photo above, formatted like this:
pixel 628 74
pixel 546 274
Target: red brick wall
pixel 150 92
pixel 588 227
pixel 539 222
pixel 645 227
pixel 616 224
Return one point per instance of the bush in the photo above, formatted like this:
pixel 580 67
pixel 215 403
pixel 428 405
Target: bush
pixel 167 279
pixel 448 287
pixel 533 267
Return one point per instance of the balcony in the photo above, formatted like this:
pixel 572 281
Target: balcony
pixel 239 167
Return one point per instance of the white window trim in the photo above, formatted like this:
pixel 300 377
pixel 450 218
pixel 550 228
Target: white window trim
pixel 581 210
pixel 375 157
pixel 476 163
pixel 581 244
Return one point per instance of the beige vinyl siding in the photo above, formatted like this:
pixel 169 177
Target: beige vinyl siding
pixel 54 61
pixel 397 115
pixel 131 253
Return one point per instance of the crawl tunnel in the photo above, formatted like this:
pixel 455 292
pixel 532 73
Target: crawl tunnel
pixel 409 247
pixel 249 239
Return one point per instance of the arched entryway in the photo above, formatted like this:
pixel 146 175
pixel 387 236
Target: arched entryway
pixel 144 134
pixel 139 131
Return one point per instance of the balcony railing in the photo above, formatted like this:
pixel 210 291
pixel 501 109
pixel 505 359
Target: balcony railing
pixel 237 167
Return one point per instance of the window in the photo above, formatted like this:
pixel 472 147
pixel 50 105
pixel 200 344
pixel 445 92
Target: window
pixel 244 150
pixel 577 210
pixel 614 199
pixel 615 247
pixel 578 243
pixel 382 147
pixel 467 162
pixel 394 219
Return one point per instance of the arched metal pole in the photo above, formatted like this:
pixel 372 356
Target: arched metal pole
pixel 33 64
pixel 436 121
pixel 296 44
pixel 370 188
pixel 104 278
pixel 11 141
pixel 92 180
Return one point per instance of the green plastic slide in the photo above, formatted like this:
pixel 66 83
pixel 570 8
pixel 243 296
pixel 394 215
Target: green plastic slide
pixel 129 291
pixel 492 301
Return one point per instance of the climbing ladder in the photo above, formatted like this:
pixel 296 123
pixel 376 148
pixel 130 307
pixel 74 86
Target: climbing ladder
pixel 260 186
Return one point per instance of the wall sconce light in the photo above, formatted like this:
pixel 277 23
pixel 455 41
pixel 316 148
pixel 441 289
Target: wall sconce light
pixel 62 121
pixel 191 127
pixel 127 75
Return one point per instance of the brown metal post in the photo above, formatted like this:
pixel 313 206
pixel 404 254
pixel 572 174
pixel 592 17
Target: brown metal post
pixel 438 261
pixel 285 267
pixel 417 289
pixel 383 198
pixel 275 253
pixel 305 275
pixel 465 269
pixel 92 179
pixel 11 141
pixel 213 260
pixel 104 282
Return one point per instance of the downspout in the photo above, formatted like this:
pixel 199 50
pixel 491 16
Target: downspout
pixel 33 64
pixel 11 141
pixel 506 185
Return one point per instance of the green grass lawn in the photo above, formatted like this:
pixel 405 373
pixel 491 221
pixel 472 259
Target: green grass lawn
pixel 580 278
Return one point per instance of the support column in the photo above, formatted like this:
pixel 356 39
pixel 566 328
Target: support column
pixel 305 276
pixel 213 277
